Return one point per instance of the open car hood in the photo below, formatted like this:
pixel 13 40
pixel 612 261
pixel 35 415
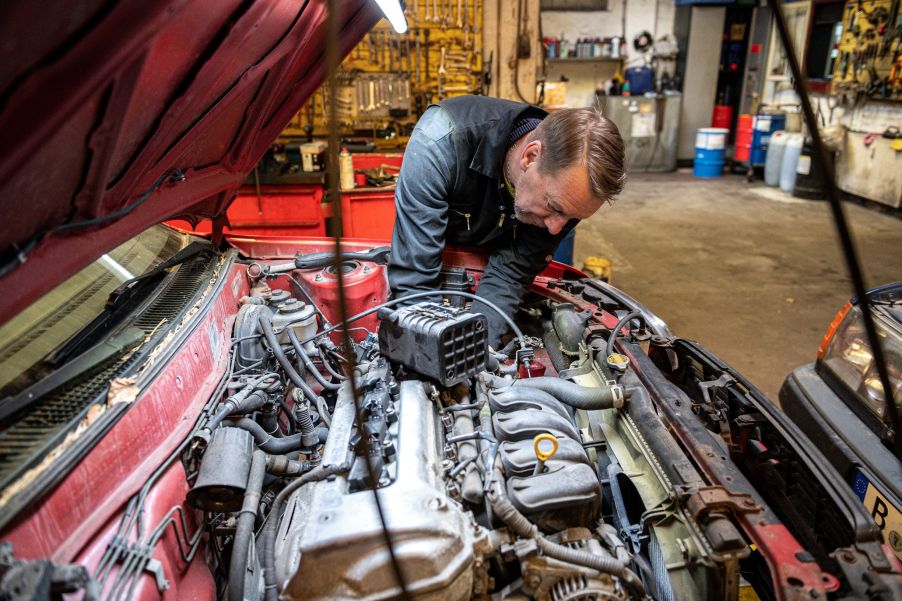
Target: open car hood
pixel 117 116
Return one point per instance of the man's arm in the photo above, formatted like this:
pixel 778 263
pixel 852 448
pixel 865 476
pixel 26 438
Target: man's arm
pixel 510 270
pixel 421 206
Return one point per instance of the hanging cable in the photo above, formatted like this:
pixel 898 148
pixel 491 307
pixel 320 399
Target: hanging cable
pixel 332 61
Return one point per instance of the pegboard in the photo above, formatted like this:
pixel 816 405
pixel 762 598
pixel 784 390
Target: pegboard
pixel 388 79
pixel 869 54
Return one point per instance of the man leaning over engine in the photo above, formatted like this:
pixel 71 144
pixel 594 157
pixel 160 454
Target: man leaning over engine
pixel 504 176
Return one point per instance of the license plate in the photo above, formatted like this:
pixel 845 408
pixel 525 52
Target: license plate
pixel 887 515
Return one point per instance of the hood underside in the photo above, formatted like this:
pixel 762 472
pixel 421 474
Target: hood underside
pixel 118 115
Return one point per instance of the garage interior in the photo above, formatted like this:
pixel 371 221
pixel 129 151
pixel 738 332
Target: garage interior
pixel 715 253
pixel 212 386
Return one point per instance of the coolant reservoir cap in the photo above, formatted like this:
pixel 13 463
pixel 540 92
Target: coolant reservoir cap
pixel 618 361
pixel 545 446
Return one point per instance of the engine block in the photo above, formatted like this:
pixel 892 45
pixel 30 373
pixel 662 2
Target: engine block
pixel 331 543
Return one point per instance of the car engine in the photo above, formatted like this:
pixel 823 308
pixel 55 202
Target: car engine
pixel 403 457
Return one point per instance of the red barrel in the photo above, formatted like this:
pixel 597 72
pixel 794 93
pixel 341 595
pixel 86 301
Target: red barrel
pixel 723 116
pixel 743 138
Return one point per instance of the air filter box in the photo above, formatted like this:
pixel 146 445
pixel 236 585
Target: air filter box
pixel 445 344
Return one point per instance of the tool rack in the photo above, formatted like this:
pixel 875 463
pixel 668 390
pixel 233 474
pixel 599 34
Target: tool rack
pixel 869 53
pixel 388 79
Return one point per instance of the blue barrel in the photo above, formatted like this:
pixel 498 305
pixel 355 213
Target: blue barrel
pixel 564 252
pixel 762 128
pixel 709 146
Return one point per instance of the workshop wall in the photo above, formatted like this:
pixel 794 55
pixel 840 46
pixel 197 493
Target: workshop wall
pixel 700 81
pixel 513 78
pixel 630 16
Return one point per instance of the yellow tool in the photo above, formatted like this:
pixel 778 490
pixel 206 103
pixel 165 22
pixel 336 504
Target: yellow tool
pixel 599 267
pixel 545 446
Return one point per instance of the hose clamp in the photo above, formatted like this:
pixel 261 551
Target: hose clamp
pixel 617 394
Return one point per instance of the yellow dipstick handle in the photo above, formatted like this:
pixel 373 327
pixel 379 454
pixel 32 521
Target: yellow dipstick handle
pixel 545 446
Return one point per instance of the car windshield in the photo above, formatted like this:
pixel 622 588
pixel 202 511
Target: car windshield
pixel 49 322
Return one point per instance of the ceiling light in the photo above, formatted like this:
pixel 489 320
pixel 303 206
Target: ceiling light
pixel 394 14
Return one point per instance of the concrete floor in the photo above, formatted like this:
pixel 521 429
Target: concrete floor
pixel 749 271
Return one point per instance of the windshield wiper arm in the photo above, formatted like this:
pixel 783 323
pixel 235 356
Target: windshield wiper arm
pixel 117 299
pixel 122 291
pixel 99 354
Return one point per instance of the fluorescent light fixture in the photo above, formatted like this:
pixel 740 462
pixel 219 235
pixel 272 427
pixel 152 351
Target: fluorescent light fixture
pixel 394 13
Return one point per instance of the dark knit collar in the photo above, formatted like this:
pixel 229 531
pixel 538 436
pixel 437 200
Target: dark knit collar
pixel 522 126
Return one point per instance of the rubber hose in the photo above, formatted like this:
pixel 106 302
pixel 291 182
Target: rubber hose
pixel 522 527
pixel 570 393
pixel 266 442
pixel 305 422
pixel 281 465
pixel 265 322
pixel 553 348
pixel 237 403
pixel 332 372
pixel 308 363
pixel 609 348
pixel 270 591
pixel 244 531
pixel 292 421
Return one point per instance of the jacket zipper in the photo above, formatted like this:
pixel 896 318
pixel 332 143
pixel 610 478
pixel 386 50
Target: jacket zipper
pixel 465 216
pixel 501 219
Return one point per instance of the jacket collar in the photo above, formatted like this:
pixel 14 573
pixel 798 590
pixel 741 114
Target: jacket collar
pixel 489 154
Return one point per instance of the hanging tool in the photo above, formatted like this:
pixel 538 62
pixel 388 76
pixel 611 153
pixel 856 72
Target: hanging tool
pixel 391 54
pixel 416 38
pixel 435 17
pixel 386 49
pixel 409 57
pixel 426 54
pixel 441 64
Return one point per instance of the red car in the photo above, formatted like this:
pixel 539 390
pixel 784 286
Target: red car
pixel 181 417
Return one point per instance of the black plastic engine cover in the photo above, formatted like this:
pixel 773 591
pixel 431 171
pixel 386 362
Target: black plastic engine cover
pixel 567 492
pixel 568 496
pixel 445 344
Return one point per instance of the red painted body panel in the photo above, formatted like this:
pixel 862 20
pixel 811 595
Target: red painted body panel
pixel 75 521
pixel 364 287
pixel 117 116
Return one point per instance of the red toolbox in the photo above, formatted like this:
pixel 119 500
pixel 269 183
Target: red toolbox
pixel 279 210
pixel 368 213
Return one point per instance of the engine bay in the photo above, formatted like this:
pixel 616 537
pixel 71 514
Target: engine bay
pixel 594 456
pixel 405 449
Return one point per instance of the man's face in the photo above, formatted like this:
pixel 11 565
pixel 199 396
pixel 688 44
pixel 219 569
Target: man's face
pixel 550 200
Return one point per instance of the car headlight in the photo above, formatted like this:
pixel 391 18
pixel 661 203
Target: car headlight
pixel 845 351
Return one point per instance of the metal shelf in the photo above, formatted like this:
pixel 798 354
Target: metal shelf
pixel 587 59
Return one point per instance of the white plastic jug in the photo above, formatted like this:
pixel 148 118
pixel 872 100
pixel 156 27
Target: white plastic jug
pixel 790 160
pixel 774 161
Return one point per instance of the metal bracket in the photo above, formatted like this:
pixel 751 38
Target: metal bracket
pixel 712 498
pixel 156 568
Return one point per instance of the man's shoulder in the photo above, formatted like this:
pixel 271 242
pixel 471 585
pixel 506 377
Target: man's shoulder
pixel 435 123
pixel 466 111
